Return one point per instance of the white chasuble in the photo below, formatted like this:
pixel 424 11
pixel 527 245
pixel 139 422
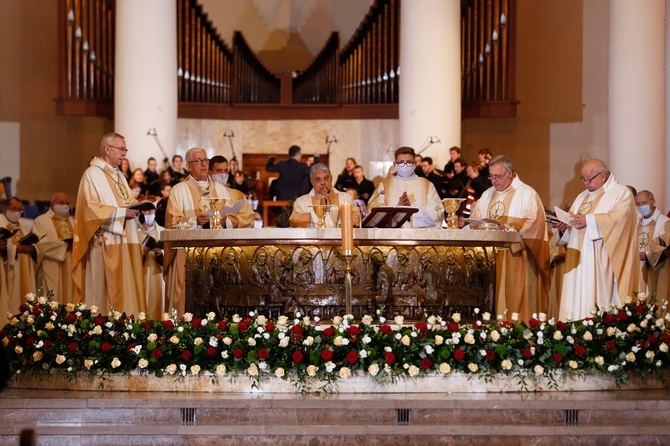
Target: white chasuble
pixel 54 254
pixel 19 269
pixel 422 195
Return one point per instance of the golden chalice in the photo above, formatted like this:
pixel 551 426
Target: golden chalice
pixel 320 210
pixel 216 205
pixel 451 206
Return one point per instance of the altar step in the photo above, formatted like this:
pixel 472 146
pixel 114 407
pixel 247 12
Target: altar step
pixel 147 418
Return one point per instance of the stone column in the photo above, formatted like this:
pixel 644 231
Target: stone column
pixel 665 207
pixel 637 94
pixel 145 77
pixel 430 76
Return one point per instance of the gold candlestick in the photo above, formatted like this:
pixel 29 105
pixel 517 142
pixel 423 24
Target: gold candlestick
pixel 348 291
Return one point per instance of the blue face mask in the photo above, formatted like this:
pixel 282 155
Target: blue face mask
pixel 644 210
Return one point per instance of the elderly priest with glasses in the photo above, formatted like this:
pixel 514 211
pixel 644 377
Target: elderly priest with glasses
pixel 189 204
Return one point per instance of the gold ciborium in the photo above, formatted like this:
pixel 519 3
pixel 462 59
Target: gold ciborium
pixel 216 205
pixel 451 205
pixel 321 210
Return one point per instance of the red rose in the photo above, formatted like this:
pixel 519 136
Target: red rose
pixel 129 347
pixel 222 325
pixel 666 337
pixel 526 353
pixel 297 356
pixel 297 329
pixel 168 324
pixel 238 353
pixel 610 346
pixel 263 353
pixel 560 325
pixel 385 329
pixel 243 325
pixel 426 363
pixel 73 347
pixel 330 332
pixel 421 326
pixel 156 353
pixel 71 317
pixel 533 323
pixel 23 307
pixel 622 315
pixel 37 309
pixel 30 341
pixel 106 347
pixel 641 309
pixel 580 350
pixel 452 327
pixel 211 351
pixel 352 357
pixel 269 327
pixel 477 323
pixel 326 354
pixel 353 330
pixel 186 355
pixel 146 325
pixel 99 320
pixel 390 358
pixel 490 355
pixel 459 354
pixel 609 319
pixel 47 344
pixel 557 357
pixel 652 339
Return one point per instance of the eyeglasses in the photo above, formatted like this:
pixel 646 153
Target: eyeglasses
pixel 200 161
pixel 404 164
pixel 588 180
pixel 120 149
pixel 498 177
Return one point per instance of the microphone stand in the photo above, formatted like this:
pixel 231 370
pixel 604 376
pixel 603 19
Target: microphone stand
pixel 430 141
pixel 230 137
pixel 152 132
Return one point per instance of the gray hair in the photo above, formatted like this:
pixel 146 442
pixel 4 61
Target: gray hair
pixel 318 168
pixel 504 160
pixel 191 153
pixel 648 193
pixel 108 140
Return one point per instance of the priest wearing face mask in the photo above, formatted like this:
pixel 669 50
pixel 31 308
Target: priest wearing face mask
pixel 55 229
pixel 651 224
pixel 18 263
pixel 189 202
pixel 408 189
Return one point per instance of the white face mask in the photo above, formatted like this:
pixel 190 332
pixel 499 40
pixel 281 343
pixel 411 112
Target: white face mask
pixel 62 210
pixel 221 178
pixel 13 216
pixel 149 219
pixel 405 171
pixel 644 210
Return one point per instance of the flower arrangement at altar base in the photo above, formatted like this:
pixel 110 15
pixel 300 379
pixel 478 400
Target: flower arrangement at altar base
pixel 46 337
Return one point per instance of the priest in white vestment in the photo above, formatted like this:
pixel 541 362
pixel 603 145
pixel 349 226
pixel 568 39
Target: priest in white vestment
pixel 408 189
pixel 651 224
pixel 601 263
pixel 107 254
pixel 17 259
pixel 322 193
pixel 189 203
pixel 55 229
pixel 523 270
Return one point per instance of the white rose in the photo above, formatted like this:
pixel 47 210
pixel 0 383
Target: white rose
pixel 337 341
pixel 611 331
pixel 439 340
pixel 456 317
pixel 641 297
pixel 142 363
pixel 660 323
pixel 282 320
pixel 413 370
pixel 37 356
pixel 399 320
pixel 284 342
pixel 60 359
pixel 644 322
pixel 152 337
pixel 70 307
pixel 117 315
pixel 306 320
pixel 252 370
pixel 573 364
pixel 663 347
pixel 630 357
pixel 373 369
pixel 345 372
pixel 542 317
pixel 599 360
pixel 337 320
pixel 366 339
pixel 469 339
pixel 220 369
pixel 406 340
pixel 367 320
pixel 538 369
pixel 431 320
pixel 174 340
pixel 195 369
pixel 486 316
pixel 54 307
pixel 311 370
pixel 142 316
pixel 165 317
pixel 588 336
pixel 171 369
pixel 650 354
pixel 88 363
pixel 495 335
pixel 188 317
pixel 261 320
pixel 198 341
pixel 473 367
pixel 279 373
pixel 506 364
pixel 251 342
pixel 558 335
pixel 515 317
pixel 631 328
pixel 116 363
pixel 444 368
pixel 309 340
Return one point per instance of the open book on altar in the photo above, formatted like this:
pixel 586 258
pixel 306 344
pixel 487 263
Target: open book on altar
pixel 388 216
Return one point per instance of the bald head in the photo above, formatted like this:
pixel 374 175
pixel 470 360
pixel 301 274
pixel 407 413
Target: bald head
pixel 596 165
pixel 594 174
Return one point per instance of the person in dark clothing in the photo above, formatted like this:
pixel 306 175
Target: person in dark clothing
pixel 346 179
pixel 477 182
pixel 454 154
pixel 430 174
pixel 293 175
pixel 240 182
pixel 161 205
pixel 456 184
pixel 419 169
pixel 150 175
pixel 364 187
